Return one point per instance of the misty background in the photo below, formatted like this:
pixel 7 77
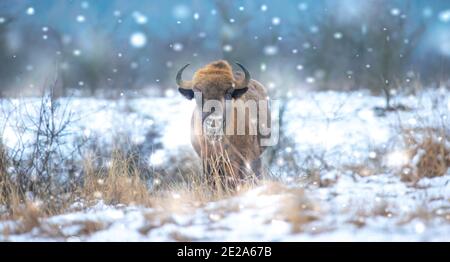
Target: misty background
pixel 113 48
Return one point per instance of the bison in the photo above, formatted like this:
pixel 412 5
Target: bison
pixel 226 136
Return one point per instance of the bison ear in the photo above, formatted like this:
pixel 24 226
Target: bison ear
pixel 239 92
pixel 188 93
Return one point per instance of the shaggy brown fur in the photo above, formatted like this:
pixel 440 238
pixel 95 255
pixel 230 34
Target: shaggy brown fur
pixel 234 157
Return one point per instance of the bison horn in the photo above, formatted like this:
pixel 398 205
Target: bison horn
pixel 179 78
pixel 247 77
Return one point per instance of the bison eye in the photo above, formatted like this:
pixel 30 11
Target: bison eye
pixel 235 93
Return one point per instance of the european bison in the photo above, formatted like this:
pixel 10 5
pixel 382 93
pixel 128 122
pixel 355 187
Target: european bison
pixel 225 129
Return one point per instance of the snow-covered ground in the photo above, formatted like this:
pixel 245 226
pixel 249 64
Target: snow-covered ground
pixel 344 184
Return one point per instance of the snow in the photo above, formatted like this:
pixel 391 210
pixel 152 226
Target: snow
pixel 444 16
pixel 138 39
pixel 336 128
pixel 30 11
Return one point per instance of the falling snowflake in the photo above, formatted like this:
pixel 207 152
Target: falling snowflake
pixel 76 52
pixel 419 227
pixel 227 48
pixel 303 6
pixel 263 8
pixel 270 50
pixel 139 18
pixel 85 5
pixel 338 35
pixel 263 67
pixel 196 16
pixel 397 158
pixel 314 29
pixel 81 19
pixel 138 40
pixel 395 11
pixel 276 20
pixel 181 11
pixel 30 11
pixel 310 80
pixel 444 16
pixel 177 47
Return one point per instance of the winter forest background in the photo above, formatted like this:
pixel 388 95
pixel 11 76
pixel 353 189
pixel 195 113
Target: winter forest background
pixel 128 46
pixel 95 142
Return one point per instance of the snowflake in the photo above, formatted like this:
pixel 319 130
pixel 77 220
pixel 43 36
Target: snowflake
pixel 338 35
pixel 177 47
pixel 395 11
pixel 303 6
pixel 397 158
pixel 30 11
pixel 138 40
pixel 263 67
pixel 139 18
pixel 444 16
pixel 196 16
pixel 76 52
pixel 81 19
pixel 85 5
pixel 310 80
pixel 227 48
pixel 270 50
pixel 276 20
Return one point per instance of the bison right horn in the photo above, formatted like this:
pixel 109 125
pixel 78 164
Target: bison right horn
pixel 184 87
pixel 179 78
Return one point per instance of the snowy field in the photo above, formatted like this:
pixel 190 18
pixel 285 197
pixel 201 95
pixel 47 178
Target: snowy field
pixel 338 174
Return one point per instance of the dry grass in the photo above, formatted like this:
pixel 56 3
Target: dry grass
pixel 428 148
pixel 297 209
pixel 120 183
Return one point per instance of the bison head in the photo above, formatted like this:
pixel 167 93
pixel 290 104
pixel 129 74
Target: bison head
pixel 214 82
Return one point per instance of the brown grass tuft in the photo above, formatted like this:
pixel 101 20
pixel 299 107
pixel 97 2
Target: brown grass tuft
pixel 431 155
pixel 120 183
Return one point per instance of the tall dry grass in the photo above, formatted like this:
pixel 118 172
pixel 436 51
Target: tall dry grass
pixel 119 183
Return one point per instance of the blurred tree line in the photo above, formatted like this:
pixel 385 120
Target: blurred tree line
pixel 111 47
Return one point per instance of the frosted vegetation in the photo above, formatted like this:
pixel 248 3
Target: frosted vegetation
pixel 95 138
pixel 343 170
